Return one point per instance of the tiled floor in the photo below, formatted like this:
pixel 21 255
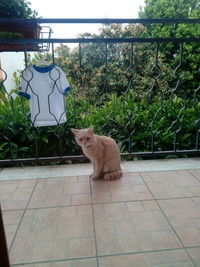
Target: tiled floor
pixel 147 218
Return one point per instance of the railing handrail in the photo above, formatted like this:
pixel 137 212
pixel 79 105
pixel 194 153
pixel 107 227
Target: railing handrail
pixel 99 20
pixel 99 40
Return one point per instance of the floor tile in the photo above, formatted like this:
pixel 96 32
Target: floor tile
pixel 195 173
pixel 54 233
pixel 74 263
pixel 130 187
pixel 37 172
pixel 67 191
pixel 132 227
pixel 171 184
pixel 57 228
pixel 175 258
pixel 11 221
pixel 196 200
pixel 16 194
pixel 195 255
pixel 184 215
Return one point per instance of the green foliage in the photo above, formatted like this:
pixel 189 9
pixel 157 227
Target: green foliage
pixel 11 35
pixel 137 124
pixel 100 69
pixel 170 9
pixel 16 9
pixel 191 51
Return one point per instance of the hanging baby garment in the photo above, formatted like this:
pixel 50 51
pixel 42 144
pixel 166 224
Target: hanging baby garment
pixel 46 88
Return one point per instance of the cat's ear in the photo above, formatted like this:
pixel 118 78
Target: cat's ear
pixel 75 131
pixel 90 130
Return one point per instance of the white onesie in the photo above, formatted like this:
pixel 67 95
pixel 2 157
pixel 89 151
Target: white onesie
pixel 46 88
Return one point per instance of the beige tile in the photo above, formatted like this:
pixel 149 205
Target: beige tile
pixel 54 192
pixel 108 241
pixel 81 247
pixel 190 236
pixel 132 227
pixel 54 233
pixel 50 264
pixel 196 200
pixel 23 247
pixel 130 187
pixel 184 215
pixel 111 212
pixel 195 254
pixel 126 260
pixel 48 250
pixel 16 194
pixel 165 258
pixel 137 241
pixel 134 223
pixel 11 221
pixel 165 239
pixel 7 187
pixel 68 263
pixel 76 188
pixel 12 217
pixel 83 179
pixel 195 173
pixel 172 184
pixel 74 227
pixel 81 199
pixel 84 263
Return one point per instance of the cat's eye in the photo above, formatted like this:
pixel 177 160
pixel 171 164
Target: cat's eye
pixel 87 138
pixel 80 139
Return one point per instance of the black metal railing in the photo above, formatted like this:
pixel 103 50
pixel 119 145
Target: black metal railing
pixel 125 87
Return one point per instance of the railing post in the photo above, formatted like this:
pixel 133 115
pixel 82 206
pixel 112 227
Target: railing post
pixel 4 257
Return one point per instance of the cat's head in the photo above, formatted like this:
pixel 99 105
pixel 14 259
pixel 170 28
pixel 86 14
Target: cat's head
pixel 84 137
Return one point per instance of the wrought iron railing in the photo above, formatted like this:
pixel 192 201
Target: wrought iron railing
pixel 156 117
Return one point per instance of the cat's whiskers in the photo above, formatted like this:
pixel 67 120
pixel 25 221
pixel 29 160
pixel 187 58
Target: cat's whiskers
pixel 88 146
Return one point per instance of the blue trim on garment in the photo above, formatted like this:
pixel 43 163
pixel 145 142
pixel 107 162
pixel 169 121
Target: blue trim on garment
pixel 24 95
pixel 43 69
pixel 67 90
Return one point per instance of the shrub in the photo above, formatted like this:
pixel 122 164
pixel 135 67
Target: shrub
pixel 138 125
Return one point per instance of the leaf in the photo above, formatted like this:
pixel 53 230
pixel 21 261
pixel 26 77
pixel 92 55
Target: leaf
pixel 45 139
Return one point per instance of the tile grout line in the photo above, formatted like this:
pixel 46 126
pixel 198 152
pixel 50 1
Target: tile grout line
pixel 53 261
pixel 189 171
pixel 143 252
pixel 94 226
pixel 22 216
pixel 100 203
pixel 105 255
pixel 157 201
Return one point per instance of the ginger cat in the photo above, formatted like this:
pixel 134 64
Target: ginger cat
pixel 102 151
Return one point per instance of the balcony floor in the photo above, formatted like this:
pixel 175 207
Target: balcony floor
pixel 56 216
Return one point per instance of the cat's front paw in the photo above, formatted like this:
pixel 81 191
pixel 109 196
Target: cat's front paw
pixel 94 177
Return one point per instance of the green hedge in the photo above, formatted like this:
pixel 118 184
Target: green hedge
pixel 131 121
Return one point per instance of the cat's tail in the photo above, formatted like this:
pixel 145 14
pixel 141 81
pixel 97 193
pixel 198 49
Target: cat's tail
pixel 113 175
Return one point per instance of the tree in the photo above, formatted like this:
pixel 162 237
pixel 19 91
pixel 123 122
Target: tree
pixel 99 69
pixel 16 9
pixel 190 52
